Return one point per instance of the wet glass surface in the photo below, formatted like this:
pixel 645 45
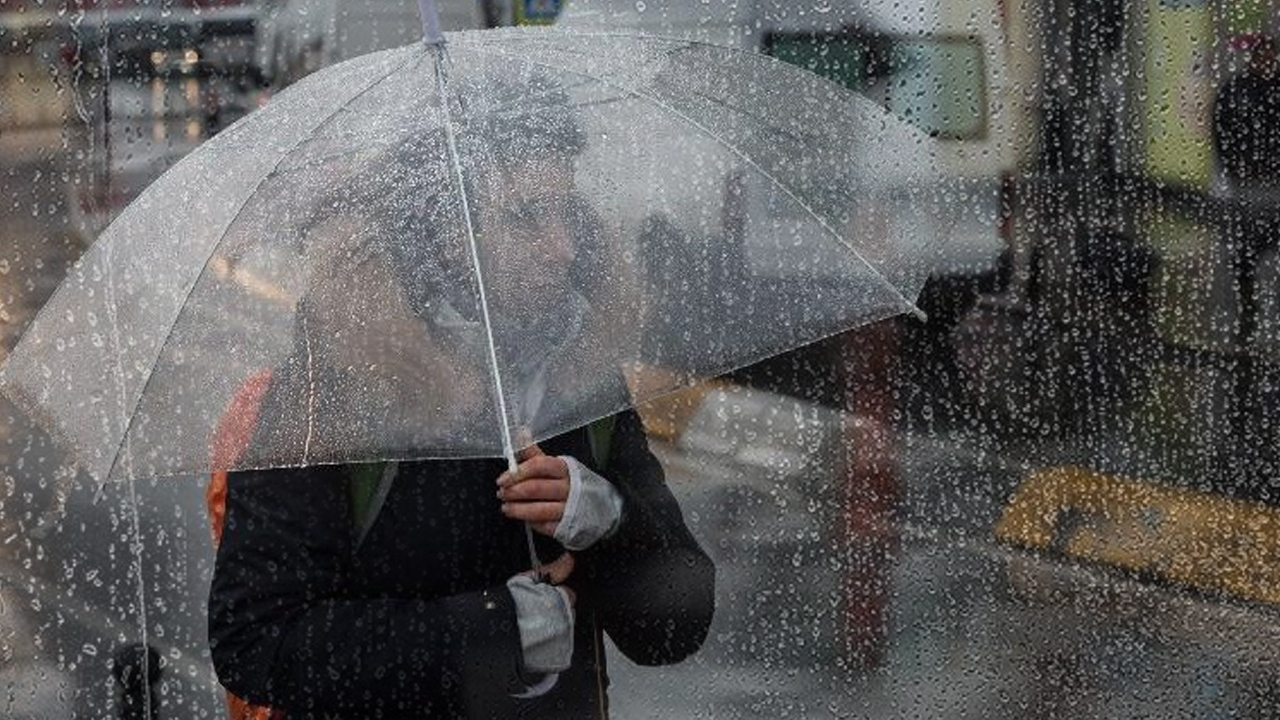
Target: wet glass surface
pixel 1051 494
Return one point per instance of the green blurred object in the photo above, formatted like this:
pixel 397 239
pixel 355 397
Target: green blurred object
pixel 364 484
pixel 1179 92
pixel 536 12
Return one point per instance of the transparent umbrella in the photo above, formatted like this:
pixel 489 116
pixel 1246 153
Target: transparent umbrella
pixel 456 248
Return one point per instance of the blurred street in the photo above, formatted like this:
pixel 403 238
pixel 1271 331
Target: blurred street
pixel 970 627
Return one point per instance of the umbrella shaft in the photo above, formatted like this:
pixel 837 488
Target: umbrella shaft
pixel 534 560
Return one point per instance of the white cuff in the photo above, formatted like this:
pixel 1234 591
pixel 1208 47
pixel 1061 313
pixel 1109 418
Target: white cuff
pixel 545 617
pixel 592 510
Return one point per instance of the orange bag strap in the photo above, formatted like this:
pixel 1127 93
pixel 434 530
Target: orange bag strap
pixel 227 444
pixel 229 441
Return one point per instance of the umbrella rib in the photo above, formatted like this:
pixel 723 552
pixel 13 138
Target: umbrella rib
pixel 204 269
pixel 908 306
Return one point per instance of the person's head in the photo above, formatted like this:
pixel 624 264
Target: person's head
pixel 537 239
pixel 521 141
pixel 527 237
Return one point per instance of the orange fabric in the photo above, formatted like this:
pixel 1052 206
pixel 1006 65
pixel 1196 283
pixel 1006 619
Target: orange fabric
pixel 230 439
pixel 238 709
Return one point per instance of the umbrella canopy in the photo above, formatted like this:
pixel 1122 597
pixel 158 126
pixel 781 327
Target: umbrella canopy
pixel 454 252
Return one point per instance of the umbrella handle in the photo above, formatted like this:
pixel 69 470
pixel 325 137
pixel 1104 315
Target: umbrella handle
pixel 431 34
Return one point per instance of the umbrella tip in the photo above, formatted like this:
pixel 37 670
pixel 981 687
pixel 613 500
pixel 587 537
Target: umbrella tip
pixel 431 34
pixel 917 313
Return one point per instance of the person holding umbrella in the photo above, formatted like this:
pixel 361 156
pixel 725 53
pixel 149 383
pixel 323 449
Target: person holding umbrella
pixel 430 317
pixel 423 607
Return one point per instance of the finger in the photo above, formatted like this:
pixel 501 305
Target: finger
pixel 534 512
pixel 559 571
pixel 524 440
pixel 545 528
pixel 543 466
pixel 539 489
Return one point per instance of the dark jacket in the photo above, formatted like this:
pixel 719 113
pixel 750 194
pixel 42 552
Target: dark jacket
pixel 417 622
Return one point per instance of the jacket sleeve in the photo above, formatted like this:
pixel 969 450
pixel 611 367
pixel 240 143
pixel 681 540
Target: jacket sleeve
pixel 284 633
pixel 650 584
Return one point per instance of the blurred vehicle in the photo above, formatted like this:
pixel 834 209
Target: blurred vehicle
pixel 138 37
pixel 150 80
pixel 947 70
pixel 958 82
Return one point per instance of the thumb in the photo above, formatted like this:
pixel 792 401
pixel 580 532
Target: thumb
pixel 529 453
pixel 524 439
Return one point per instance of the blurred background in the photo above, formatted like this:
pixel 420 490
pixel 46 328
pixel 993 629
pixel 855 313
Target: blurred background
pixel 1058 496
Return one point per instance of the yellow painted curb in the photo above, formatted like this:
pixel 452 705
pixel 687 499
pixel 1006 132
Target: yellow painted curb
pixel 1200 539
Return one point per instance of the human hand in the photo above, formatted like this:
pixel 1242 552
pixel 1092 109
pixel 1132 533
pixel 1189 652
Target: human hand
pixel 545 614
pixel 538 492
pixel 557 573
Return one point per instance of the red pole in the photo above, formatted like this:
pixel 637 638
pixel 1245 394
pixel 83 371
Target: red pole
pixel 871 489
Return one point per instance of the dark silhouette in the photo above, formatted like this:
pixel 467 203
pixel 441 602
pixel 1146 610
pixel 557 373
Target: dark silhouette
pixel 1246 136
